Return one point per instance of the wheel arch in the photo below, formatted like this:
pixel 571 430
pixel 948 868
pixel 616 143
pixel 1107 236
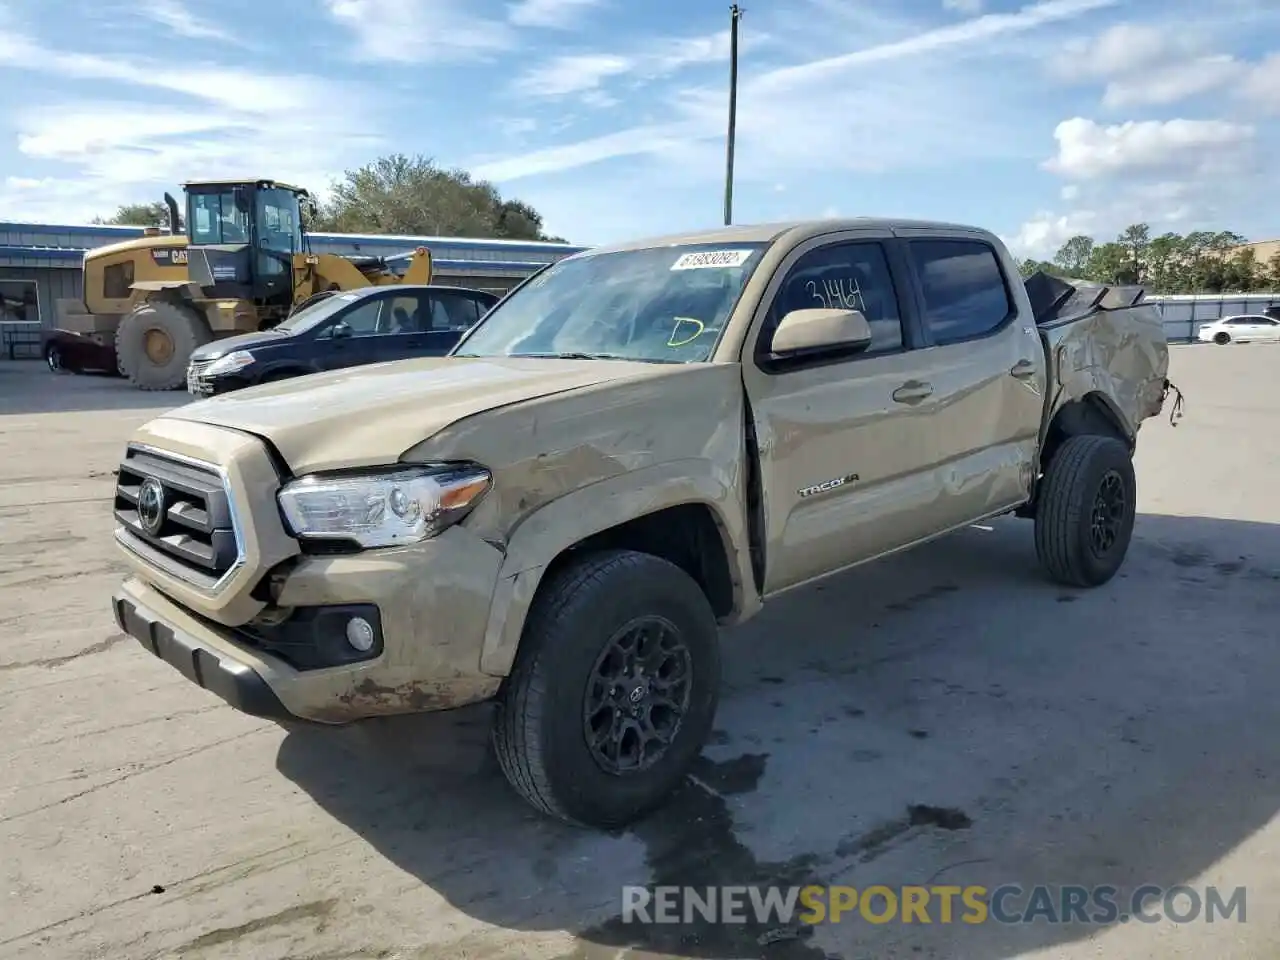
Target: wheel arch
pixel 690 531
pixel 1093 413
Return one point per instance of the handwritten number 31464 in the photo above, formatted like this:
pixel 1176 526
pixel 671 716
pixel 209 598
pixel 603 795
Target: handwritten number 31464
pixel 839 294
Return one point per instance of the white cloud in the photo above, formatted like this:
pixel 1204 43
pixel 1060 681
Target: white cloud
pixel 1120 49
pixel 28 183
pixel 1261 87
pixel 1146 65
pixel 549 14
pixel 966 34
pixel 225 86
pixel 401 31
pixel 587 73
pixel 574 73
pixel 209 121
pixel 178 18
pixel 1042 236
pixel 1087 150
pixel 1173 83
pixel 1069 192
pixel 880 119
pixel 969 7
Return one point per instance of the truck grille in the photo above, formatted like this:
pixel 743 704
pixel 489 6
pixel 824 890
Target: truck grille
pixel 176 514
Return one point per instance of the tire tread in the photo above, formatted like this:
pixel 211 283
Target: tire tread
pixel 521 706
pixel 1061 509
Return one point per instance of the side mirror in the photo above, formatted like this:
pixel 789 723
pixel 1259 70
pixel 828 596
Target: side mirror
pixel 802 331
pixel 339 331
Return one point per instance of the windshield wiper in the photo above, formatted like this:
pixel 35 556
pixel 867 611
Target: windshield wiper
pixel 576 355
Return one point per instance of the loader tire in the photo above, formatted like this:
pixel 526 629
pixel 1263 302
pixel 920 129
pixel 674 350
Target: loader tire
pixel 620 648
pixel 1087 505
pixel 154 343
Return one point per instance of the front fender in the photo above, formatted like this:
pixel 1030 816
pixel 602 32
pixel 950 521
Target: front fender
pixel 554 527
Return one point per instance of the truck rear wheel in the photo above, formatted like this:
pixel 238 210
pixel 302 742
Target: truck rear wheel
pixel 1088 502
pixel 613 691
pixel 154 343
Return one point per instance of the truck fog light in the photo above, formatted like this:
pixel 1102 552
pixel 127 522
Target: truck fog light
pixel 360 634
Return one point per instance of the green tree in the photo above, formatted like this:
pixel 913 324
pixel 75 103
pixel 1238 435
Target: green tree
pixel 1112 263
pixel 412 195
pixel 1135 239
pixel 1073 256
pixel 1027 267
pixel 1164 262
pixel 140 215
pixel 1203 261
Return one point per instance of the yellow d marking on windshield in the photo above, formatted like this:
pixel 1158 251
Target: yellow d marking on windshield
pixel 673 342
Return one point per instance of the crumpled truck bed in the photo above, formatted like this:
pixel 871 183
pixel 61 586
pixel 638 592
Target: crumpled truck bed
pixel 1101 340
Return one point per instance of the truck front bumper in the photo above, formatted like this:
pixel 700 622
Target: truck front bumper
pixel 430 607
pixel 237 683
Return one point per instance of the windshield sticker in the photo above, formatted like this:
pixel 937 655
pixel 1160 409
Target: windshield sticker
pixel 713 259
pixel 697 326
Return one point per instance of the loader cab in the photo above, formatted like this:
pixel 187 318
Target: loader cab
pixel 242 236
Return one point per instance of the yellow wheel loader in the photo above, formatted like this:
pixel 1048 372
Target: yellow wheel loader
pixel 243 265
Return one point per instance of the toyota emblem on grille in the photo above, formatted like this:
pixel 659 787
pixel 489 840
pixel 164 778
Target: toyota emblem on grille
pixel 151 505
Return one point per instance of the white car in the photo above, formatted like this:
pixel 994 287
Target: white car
pixel 1243 329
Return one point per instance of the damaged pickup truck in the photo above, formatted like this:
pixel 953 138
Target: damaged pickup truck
pixel 640 444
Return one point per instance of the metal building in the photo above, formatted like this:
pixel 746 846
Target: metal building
pixel 40 263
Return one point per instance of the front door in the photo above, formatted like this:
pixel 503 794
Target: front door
pixel 842 439
pixel 351 338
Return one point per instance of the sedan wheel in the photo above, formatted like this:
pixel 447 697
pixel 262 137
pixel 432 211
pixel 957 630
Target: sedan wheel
pixel 53 357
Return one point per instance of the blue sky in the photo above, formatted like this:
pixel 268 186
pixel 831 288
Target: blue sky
pixel 1035 119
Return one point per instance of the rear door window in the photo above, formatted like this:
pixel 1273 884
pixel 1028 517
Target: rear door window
pixel 965 292
pixel 453 311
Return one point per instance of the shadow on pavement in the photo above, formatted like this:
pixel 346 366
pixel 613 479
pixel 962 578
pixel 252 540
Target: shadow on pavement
pixel 29 387
pixel 942 716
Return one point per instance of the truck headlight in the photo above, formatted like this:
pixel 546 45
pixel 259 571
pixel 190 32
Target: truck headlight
pixel 233 361
pixel 382 508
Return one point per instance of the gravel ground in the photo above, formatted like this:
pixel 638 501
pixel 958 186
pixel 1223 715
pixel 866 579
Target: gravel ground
pixel 1119 736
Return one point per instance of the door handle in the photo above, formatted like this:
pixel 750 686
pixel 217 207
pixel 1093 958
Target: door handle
pixel 1023 369
pixel 913 391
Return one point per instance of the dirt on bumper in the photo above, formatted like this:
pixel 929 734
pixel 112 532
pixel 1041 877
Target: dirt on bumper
pixel 433 600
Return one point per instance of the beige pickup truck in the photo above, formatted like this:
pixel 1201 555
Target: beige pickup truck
pixel 640 444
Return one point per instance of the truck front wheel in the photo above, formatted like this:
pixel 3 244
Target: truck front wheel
pixel 613 692
pixel 1084 520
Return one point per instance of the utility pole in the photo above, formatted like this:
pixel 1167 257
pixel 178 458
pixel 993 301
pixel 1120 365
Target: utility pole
pixel 735 14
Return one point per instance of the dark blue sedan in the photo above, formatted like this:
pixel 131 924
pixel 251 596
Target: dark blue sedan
pixel 369 325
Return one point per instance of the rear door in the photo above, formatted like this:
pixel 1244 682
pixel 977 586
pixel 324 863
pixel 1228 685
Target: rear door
pixel 404 327
pixel 986 369
pixel 452 313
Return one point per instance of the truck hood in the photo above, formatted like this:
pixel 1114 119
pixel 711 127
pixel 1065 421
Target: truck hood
pixel 372 414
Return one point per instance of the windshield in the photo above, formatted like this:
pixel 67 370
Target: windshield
pixel 309 317
pixel 660 304
pixel 216 218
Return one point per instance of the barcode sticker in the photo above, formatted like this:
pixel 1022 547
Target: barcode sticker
pixel 712 259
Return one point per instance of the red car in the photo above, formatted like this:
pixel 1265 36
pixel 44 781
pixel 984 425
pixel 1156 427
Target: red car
pixel 79 352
